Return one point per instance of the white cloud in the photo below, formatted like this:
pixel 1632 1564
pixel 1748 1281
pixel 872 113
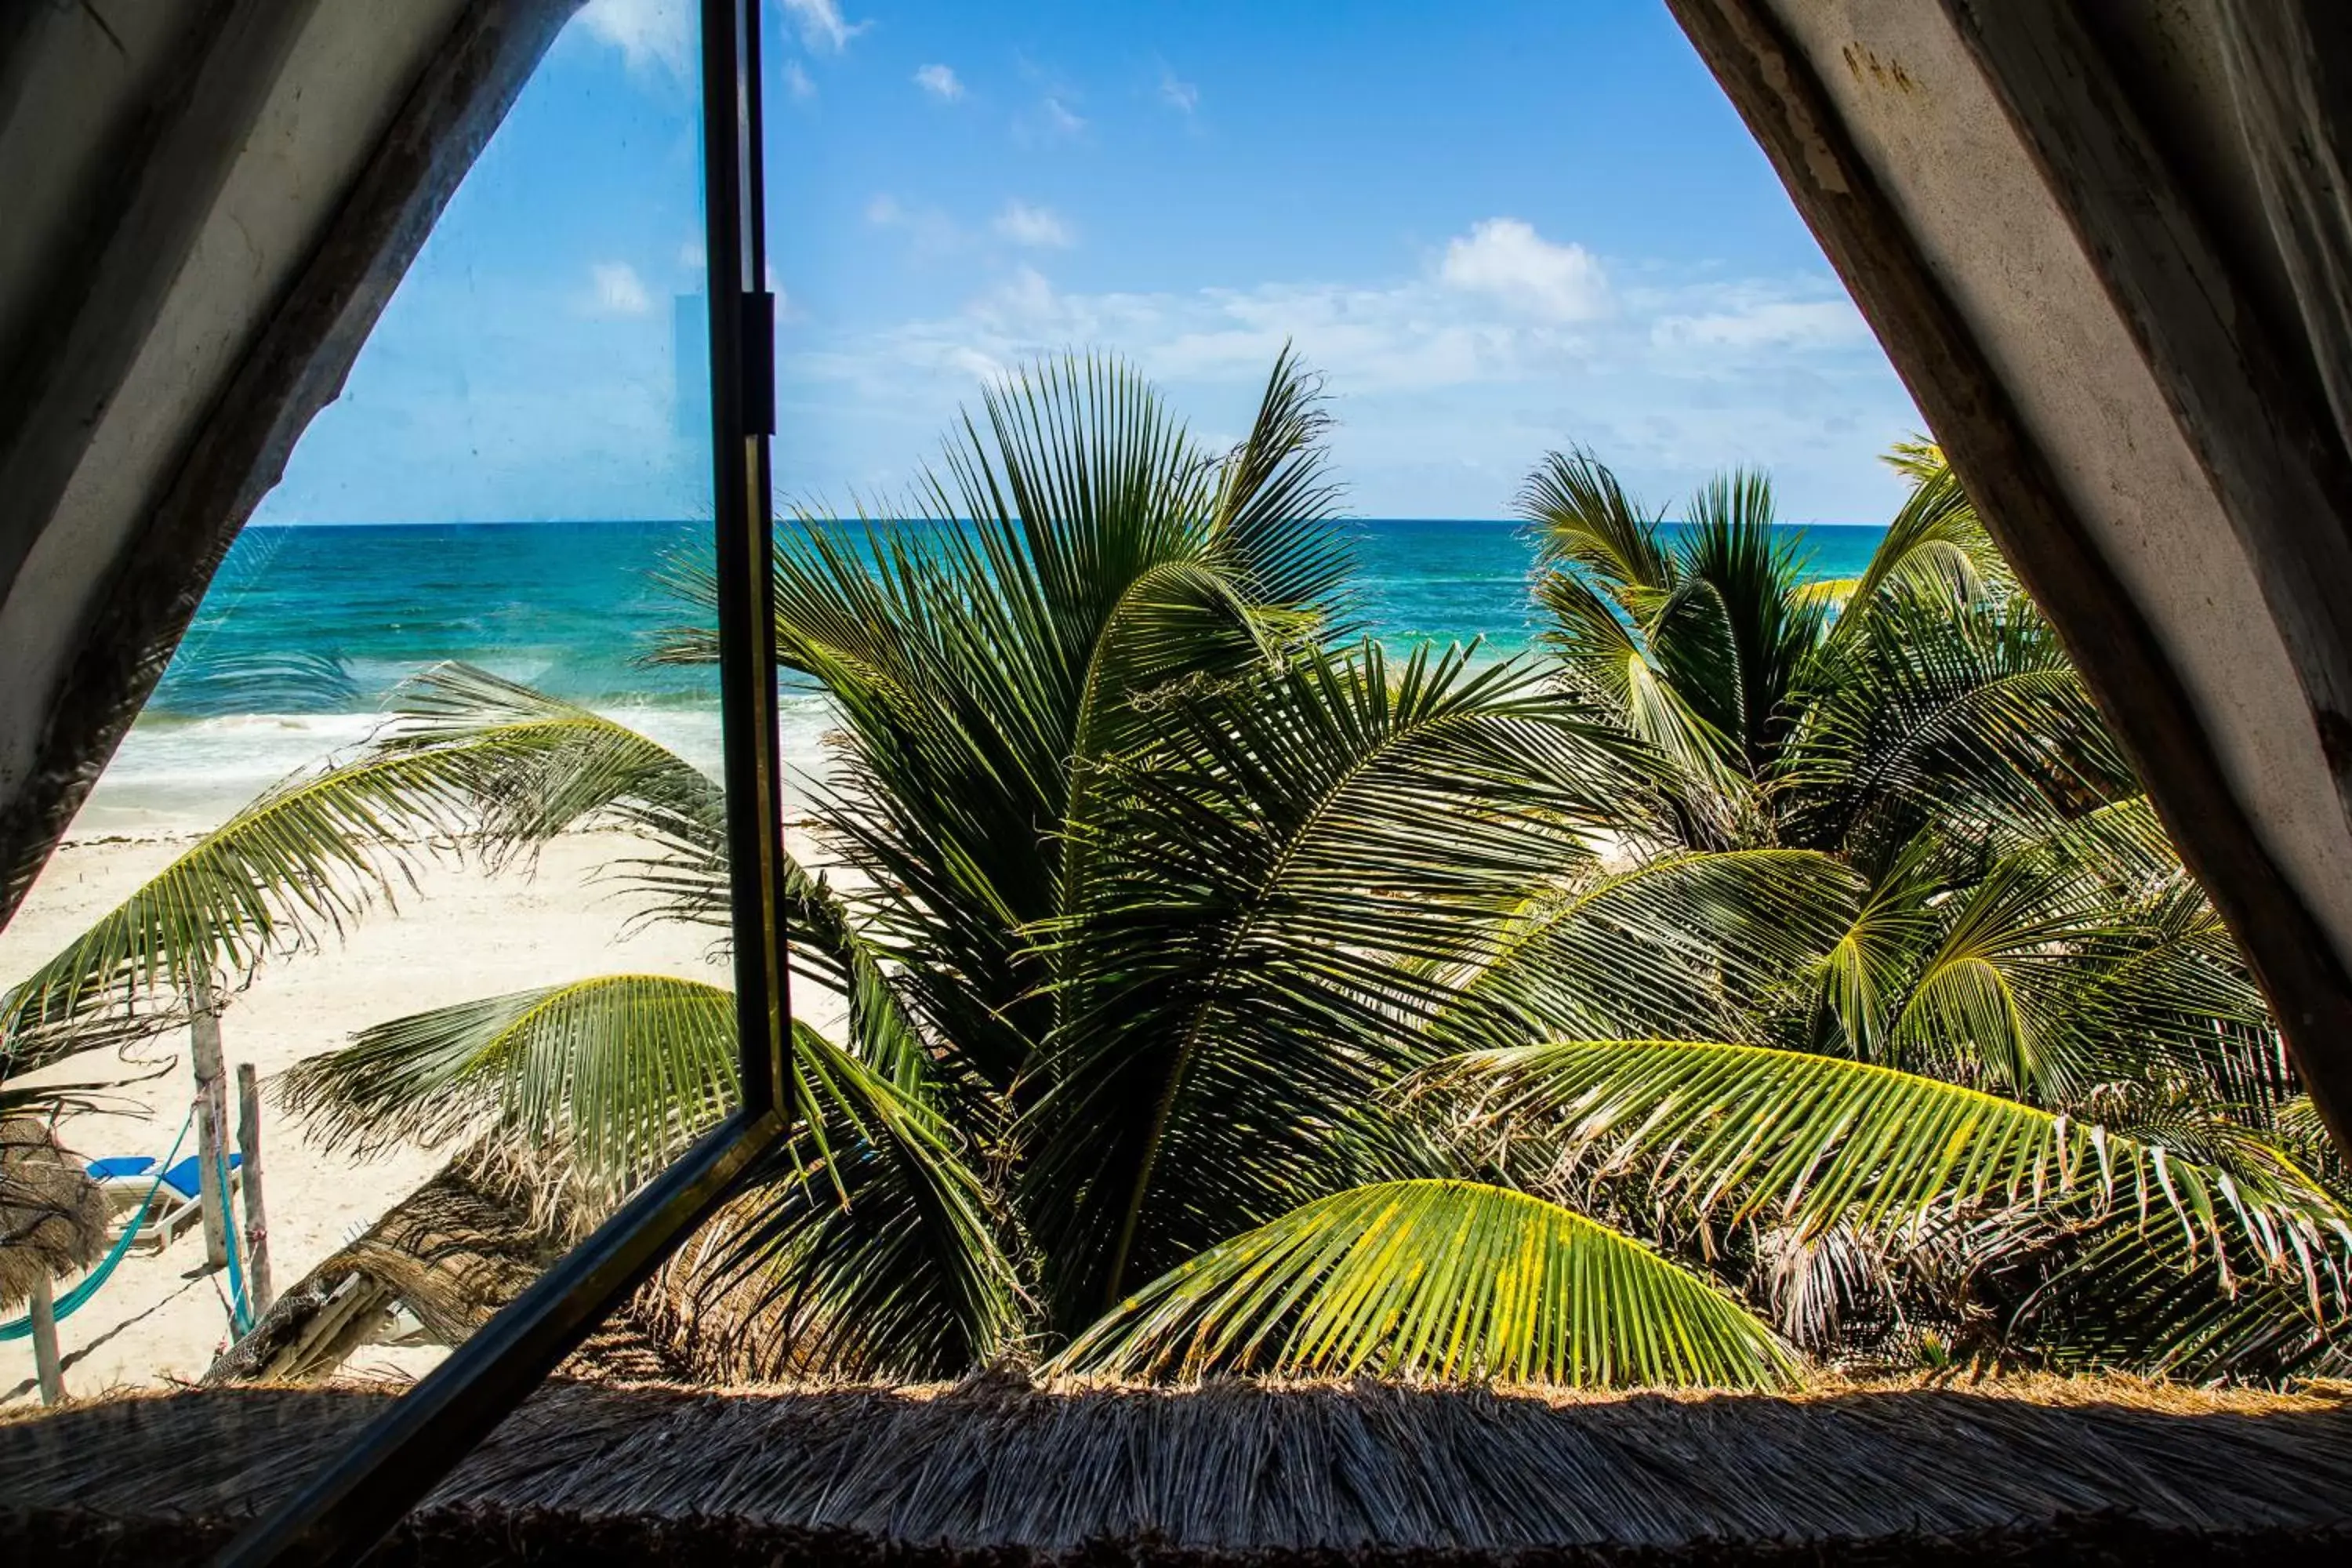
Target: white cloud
pixel 1060 121
pixel 690 253
pixel 822 24
pixel 1449 384
pixel 648 32
pixel 1038 227
pixel 1369 339
pixel 1506 257
pixel 940 82
pixel 1794 323
pixel 617 290
pixel 797 82
pixel 1182 96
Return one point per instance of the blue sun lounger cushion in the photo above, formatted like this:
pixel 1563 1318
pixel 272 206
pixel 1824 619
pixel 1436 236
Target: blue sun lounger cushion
pixel 181 1178
pixel 127 1177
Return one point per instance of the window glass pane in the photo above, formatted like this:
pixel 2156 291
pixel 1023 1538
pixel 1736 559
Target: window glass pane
pixel 454 659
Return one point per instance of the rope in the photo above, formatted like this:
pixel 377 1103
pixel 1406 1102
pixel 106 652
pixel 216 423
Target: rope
pixel 76 1298
pixel 240 1306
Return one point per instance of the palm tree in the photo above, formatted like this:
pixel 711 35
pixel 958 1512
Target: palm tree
pixel 1222 992
pixel 1931 953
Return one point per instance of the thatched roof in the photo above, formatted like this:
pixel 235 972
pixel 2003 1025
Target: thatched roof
pixel 52 1215
pixel 1002 1474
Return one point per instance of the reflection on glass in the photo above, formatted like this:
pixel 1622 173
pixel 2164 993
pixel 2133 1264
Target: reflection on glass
pixel 410 878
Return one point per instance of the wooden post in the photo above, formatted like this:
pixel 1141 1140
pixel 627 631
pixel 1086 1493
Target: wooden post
pixel 212 1122
pixel 46 1364
pixel 256 1221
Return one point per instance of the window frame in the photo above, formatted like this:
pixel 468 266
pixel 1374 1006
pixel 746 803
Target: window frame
pixel 386 1469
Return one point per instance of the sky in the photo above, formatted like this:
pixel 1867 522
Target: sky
pixel 1495 230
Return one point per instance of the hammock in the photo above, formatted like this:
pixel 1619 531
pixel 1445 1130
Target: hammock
pixel 76 1298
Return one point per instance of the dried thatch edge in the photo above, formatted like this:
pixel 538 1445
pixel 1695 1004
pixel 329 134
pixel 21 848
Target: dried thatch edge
pixel 2111 1391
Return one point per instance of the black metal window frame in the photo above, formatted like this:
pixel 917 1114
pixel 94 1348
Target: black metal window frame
pixel 359 1497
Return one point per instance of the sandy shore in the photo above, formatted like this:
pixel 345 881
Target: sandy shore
pixel 464 935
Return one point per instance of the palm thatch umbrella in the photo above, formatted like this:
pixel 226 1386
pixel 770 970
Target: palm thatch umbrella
pixel 453 1252
pixel 52 1215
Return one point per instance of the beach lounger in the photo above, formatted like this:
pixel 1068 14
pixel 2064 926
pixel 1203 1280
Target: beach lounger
pixel 125 1181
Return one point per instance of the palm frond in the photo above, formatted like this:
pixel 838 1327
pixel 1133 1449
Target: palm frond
pixel 1755 1131
pixel 1918 458
pixel 1451 1280
pixel 1601 653
pixel 1074 554
pixel 1737 633
pixel 2118 1296
pixel 829 947
pixel 1275 880
pixel 620 1073
pixel 467 761
pixel 1681 942
pixel 865 1245
pixel 1586 525
pixel 1971 717
pixel 298 864
pixel 1935 546
pixel 534 765
pixel 1982 1002
pixel 1862 979
pixel 2083 955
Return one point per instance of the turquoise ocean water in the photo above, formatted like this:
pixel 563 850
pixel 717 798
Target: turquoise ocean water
pixel 571 608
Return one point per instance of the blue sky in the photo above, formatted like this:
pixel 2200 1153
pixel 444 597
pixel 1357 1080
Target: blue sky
pixel 1497 228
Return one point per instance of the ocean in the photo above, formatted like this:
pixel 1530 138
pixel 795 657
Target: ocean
pixel 307 629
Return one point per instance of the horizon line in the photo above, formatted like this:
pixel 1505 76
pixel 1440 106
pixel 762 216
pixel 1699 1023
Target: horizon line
pixel 682 522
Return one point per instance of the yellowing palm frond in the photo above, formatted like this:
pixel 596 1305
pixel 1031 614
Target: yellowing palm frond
pixel 1446 1279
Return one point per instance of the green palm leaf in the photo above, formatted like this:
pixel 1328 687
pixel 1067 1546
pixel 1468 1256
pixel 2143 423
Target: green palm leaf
pixel 1934 547
pixel 467 759
pixel 872 1239
pixel 1737 635
pixel 1682 942
pixel 1586 526
pixel 1969 718
pixel 534 765
pixel 865 1245
pixel 1441 1280
pixel 621 1072
pixel 1860 982
pixel 2120 1297
pixel 1075 553
pixel 1815 1139
pixel 299 863
pixel 1602 654
pixel 1276 881
pixel 2083 955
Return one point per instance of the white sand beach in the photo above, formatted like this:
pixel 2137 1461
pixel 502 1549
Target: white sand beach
pixel 464 934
